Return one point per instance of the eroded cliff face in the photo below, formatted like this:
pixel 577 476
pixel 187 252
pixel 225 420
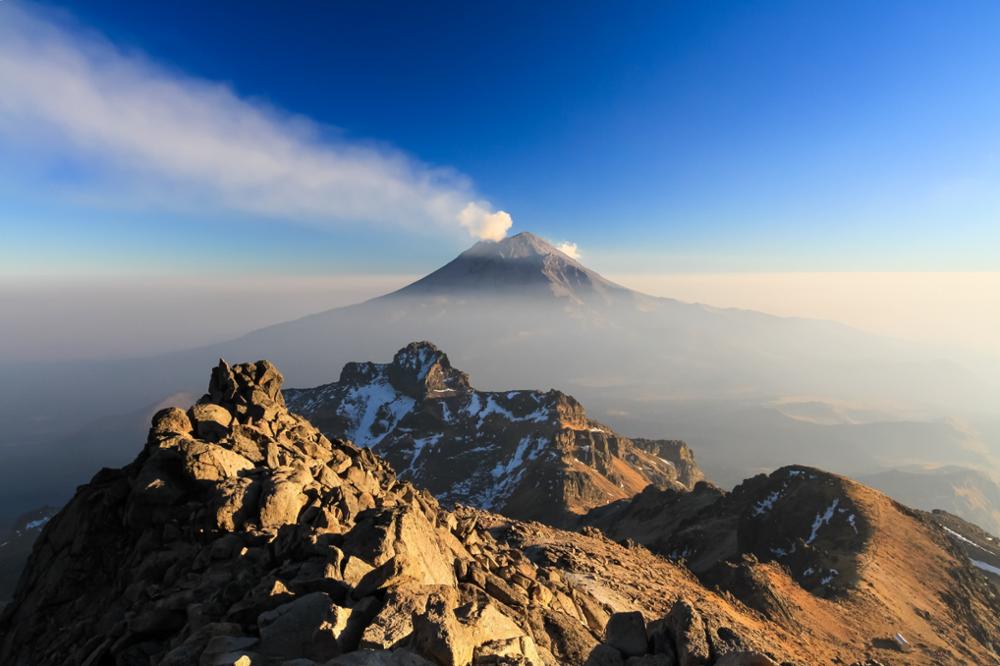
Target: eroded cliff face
pixel 242 535
pixel 532 455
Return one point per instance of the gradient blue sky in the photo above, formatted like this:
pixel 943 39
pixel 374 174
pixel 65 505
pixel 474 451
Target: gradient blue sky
pixel 701 136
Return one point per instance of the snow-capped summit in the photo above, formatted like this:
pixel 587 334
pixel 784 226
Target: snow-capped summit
pixel 525 265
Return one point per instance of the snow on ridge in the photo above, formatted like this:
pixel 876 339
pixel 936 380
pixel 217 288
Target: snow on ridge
pixel 361 407
pixel 767 503
pixel 419 362
pixel 985 566
pixel 540 415
pixel 518 459
pixel 419 444
pixel 30 525
pixel 822 519
pixel 966 540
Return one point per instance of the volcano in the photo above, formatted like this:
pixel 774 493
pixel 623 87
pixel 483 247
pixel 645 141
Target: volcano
pixel 520 313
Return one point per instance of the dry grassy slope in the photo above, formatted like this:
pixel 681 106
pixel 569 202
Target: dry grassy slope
pixel 910 580
pixel 898 572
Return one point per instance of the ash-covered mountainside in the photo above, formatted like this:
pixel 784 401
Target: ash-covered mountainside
pixel 242 536
pixel 523 265
pixel 527 454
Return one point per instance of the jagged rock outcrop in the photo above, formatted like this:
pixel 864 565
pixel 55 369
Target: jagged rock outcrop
pixel 528 454
pixel 241 535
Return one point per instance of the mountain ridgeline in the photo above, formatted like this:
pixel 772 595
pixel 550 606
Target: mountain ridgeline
pixel 519 312
pixel 243 536
pixel 531 455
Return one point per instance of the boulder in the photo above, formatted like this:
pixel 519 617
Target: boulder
pixel 211 422
pixel 605 655
pixel 171 421
pixel 210 462
pixel 281 502
pixel 627 633
pixel 439 635
pixel 686 626
pixel 308 626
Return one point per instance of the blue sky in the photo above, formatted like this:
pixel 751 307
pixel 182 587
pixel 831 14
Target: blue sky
pixel 657 136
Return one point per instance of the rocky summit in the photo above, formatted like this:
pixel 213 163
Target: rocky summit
pixel 241 535
pixel 527 454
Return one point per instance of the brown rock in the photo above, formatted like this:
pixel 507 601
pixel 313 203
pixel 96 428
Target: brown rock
pixel 172 421
pixel 309 626
pixel 210 462
pixel 605 655
pixel 688 629
pixel 211 422
pixel 627 633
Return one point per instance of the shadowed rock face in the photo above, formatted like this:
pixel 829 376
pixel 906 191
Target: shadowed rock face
pixel 15 547
pixel 242 535
pixel 528 454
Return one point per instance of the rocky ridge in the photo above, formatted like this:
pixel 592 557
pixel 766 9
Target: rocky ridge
pixel 981 547
pixel 805 546
pixel 241 535
pixel 527 454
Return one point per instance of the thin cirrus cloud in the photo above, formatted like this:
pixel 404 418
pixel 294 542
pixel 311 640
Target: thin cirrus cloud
pixel 174 141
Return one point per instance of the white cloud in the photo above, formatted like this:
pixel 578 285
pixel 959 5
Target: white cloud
pixel 193 144
pixel 569 249
pixel 481 223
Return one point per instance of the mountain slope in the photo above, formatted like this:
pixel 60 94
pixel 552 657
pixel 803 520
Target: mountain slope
pixel 240 535
pixel 981 547
pixel 526 454
pixel 520 313
pixel 801 542
pixel 521 265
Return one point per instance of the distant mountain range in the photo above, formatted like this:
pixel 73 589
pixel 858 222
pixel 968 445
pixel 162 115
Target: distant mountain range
pixel 966 492
pixel 530 455
pixel 519 312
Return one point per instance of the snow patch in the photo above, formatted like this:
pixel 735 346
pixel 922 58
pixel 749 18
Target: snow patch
pixel 822 519
pixel 985 566
pixel 32 524
pixel 767 503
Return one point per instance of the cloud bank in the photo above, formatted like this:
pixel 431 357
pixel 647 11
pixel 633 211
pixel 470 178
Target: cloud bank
pixel 162 139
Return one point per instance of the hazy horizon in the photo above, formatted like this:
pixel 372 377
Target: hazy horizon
pixel 72 318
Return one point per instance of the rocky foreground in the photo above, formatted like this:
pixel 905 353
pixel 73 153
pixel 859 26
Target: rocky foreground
pixel 241 535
